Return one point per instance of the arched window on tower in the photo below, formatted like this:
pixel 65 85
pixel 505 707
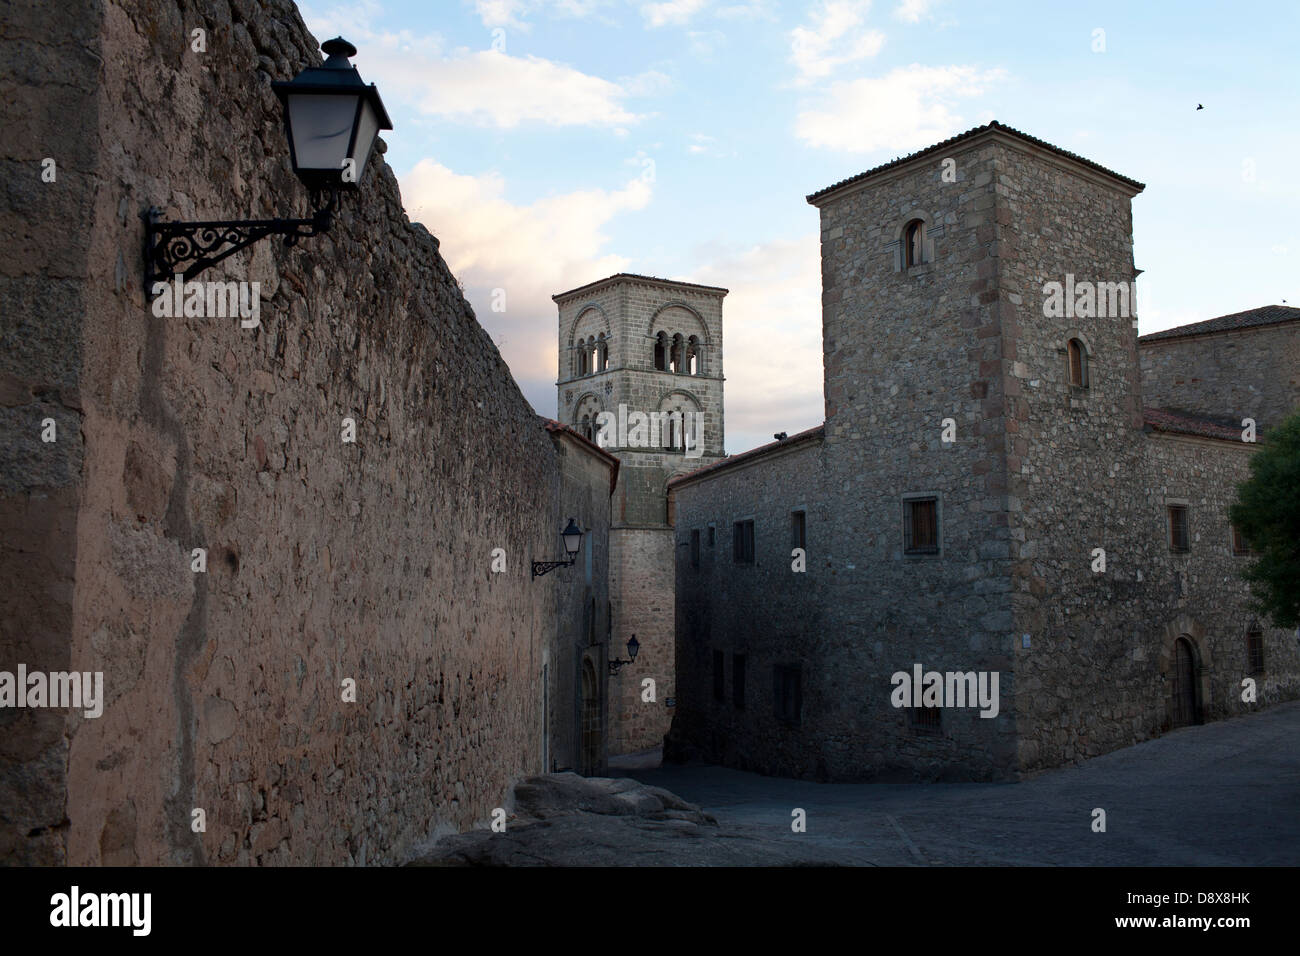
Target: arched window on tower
pixel 602 353
pixel 677 360
pixel 693 364
pixel 913 243
pixel 581 358
pixel 661 352
pixel 1078 359
pixel 586 429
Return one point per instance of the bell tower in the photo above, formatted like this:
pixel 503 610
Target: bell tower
pixel 640 373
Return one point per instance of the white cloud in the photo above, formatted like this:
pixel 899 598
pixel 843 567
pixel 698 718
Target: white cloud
pixel 772 336
pixel 510 13
pixel 837 35
pixel 674 12
pixel 904 110
pixel 531 250
pixel 500 13
pixel 483 86
pixel 911 11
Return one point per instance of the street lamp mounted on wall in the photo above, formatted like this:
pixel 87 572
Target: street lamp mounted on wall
pixel 572 536
pixel 632 647
pixel 331 119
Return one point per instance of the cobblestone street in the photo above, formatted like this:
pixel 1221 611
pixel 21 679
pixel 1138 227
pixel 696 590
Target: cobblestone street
pixel 1224 794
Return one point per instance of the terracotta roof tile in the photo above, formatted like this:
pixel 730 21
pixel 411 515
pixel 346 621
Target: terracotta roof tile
pixel 1251 318
pixel 1185 423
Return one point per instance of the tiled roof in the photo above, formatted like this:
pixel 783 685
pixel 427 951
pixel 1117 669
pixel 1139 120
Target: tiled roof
pixel 554 427
pixel 948 143
pixel 1185 423
pixel 817 432
pixel 634 276
pixel 1251 318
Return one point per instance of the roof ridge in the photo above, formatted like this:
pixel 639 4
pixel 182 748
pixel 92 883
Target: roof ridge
pixel 970 133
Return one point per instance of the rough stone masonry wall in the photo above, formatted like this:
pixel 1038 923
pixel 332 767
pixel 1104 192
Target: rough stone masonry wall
pixel 1075 459
pixel 324 560
pixel 42 285
pixel 903 351
pixel 1251 373
pixel 585 480
pixel 770 614
pixel 1084 475
pixel 641 579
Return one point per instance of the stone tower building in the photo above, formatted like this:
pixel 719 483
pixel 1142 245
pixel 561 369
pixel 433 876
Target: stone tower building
pixel 986 442
pixel 640 373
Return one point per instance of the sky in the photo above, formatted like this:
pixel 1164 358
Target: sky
pixel 550 143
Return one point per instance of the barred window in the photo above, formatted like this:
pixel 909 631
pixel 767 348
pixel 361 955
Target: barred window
pixel 921 526
pixel 798 529
pixel 1255 651
pixel 787 693
pixel 1178 536
pixel 743 543
pixel 1239 543
pixel 925 720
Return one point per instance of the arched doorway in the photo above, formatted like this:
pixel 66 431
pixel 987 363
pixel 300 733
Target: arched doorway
pixel 590 720
pixel 1184 684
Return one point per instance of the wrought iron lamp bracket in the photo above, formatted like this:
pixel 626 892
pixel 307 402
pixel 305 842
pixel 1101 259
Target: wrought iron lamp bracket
pixel 187 248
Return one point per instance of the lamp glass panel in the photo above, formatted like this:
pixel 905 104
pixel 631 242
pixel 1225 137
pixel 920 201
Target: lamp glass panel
pixel 321 126
pixel 367 130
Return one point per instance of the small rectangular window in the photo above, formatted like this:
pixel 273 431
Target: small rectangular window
pixel 711 530
pixel 719 678
pixel 695 549
pixel 787 693
pixel 1178 536
pixel 1239 543
pixel 921 526
pixel 925 720
pixel 738 680
pixel 798 530
pixel 1255 652
pixel 743 543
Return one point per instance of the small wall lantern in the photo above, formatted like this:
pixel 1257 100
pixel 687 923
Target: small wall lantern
pixel 633 646
pixel 572 537
pixel 331 120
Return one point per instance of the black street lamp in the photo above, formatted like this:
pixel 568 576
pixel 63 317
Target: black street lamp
pixel 331 120
pixel 633 646
pixel 572 537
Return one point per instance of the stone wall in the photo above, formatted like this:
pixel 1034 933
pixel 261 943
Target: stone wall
pixel 326 561
pixel 586 475
pixel 764 611
pixel 1250 373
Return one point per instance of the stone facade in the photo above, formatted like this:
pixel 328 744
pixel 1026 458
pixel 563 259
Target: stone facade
pixel 1050 457
pixel 608 333
pixel 1200 371
pixel 326 561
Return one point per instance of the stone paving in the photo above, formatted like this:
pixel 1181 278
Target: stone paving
pixel 1224 794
